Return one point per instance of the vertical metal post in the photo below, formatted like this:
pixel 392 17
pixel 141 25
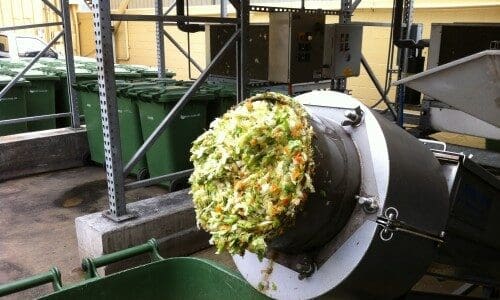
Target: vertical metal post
pixel 239 97
pixel 243 49
pixel 223 8
pixel 70 64
pixel 160 45
pixel 109 111
pixel 340 84
pixel 403 59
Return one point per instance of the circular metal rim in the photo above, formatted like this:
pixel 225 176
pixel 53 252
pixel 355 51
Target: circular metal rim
pixel 373 153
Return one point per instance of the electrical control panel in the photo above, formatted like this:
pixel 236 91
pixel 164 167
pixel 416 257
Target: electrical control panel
pixel 296 41
pixel 216 36
pixel 342 50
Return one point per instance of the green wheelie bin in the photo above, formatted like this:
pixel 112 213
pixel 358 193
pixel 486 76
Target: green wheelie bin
pixel 40 98
pixel 170 152
pixel 13 105
pixel 225 98
pixel 82 73
pixel 175 278
pixel 128 116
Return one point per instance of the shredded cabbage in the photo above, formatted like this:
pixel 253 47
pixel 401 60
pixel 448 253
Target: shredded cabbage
pixel 252 172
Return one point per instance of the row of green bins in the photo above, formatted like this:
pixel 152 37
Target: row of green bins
pixel 40 98
pixel 170 152
pixel 146 72
pixel 13 105
pixel 84 72
pixel 128 117
pixel 62 103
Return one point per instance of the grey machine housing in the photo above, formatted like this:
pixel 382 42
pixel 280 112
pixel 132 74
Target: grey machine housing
pixel 401 209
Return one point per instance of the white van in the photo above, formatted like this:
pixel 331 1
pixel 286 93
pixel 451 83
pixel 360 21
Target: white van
pixel 15 46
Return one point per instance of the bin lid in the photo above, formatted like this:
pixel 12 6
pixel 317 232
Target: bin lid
pixel 50 61
pixel 174 93
pixel 146 71
pixel 4 63
pixel 35 74
pixel 86 85
pixel 119 70
pixel 166 81
pixel 5 79
pixel 79 72
pixel 126 73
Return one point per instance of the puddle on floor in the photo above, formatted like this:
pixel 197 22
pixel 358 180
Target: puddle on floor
pixel 84 196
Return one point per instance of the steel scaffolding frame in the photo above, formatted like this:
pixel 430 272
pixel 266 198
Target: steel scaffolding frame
pixel 64 13
pixel 115 169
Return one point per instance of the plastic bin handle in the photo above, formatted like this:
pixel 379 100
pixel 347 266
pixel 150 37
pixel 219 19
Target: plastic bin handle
pixel 90 265
pixel 53 276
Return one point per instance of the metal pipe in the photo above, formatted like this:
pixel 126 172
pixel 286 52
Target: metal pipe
pixel 223 8
pixel 398 20
pixel 235 4
pixel 155 180
pixel 377 84
pixel 355 5
pixel 178 106
pixel 33 118
pixel 191 19
pixel 189 55
pixel 27 26
pixel 244 26
pixel 53 276
pixel 53 7
pixel 28 66
pixel 182 25
pixel 374 24
pixel 169 9
pixel 160 44
pixel 179 47
pixel 70 64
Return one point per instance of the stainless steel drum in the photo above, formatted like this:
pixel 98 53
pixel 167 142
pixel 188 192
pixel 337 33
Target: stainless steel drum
pixel 390 205
pixel 336 180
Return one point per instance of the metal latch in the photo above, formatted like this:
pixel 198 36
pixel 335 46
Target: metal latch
pixel 390 224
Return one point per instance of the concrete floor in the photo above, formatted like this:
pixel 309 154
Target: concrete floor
pixel 37 217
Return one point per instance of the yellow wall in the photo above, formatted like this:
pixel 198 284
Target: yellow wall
pixel 135 42
pixel 23 12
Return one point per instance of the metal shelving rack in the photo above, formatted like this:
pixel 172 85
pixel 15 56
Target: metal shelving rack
pixel 115 168
pixel 64 13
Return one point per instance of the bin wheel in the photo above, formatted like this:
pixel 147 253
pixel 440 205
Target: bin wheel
pixel 179 184
pixel 86 158
pixel 142 174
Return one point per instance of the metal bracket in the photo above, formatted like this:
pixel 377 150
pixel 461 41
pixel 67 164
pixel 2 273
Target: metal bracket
pixel 290 9
pixel 370 204
pixel 354 117
pixel 432 143
pixel 128 216
pixel 390 224
pixel 306 267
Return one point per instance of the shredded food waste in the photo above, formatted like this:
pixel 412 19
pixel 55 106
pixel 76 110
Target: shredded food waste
pixel 252 172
